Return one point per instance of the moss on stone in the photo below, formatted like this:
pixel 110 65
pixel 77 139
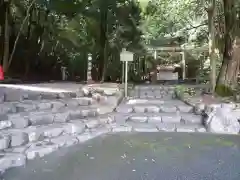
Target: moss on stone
pixel 224 91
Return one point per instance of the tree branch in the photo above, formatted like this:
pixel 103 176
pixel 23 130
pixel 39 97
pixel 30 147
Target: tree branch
pixel 195 27
pixel 20 31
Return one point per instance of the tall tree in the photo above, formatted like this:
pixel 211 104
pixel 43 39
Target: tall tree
pixel 230 64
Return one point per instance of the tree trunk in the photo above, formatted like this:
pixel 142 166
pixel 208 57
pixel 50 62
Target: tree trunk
pixel 230 64
pixel 2 22
pixel 6 38
pixel 103 42
pixel 212 45
pixel 19 33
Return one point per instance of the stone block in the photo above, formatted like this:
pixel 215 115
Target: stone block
pixel 32 95
pixel 74 127
pixel 92 123
pixel 53 130
pixel 4 117
pixel 222 120
pixel 200 129
pixel 185 128
pixel 139 108
pixel 121 118
pixel 10 160
pixel 79 93
pixel 15 95
pixel 158 96
pixel 209 108
pixel 7 108
pixel 85 137
pixel 185 108
pixel 150 96
pixel 34 133
pixel 124 109
pixel 152 109
pixel 56 105
pixel 106 119
pixel 154 119
pixel 166 127
pixel 18 121
pixel 4 141
pixel 5 124
pixel 191 118
pixel 71 103
pixel 40 149
pixel 121 128
pixel 64 95
pixel 65 141
pixel 2 95
pixel 113 100
pixel 50 96
pixel 103 109
pixel 89 112
pixel 170 118
pixel 41 118
pixel 19 138
pixel 62 117
pixel 77 114
pixel 228 105
pixel 25 106
pixel 143 127
pixel 168 108
pixel 19 149
pixel 199 108
pixel 44 105
pixel 138 118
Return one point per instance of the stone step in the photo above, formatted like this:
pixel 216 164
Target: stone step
pixel 13 95
pixel 156 127
pixel 12 138
pixel 18 156
pixel 155 108
pixel 64 114
pixel 185 118
pixel 29 105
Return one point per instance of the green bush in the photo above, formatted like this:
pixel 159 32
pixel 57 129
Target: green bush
pixel 224 91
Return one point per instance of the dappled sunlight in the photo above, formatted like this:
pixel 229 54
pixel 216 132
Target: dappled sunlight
pixel 34 88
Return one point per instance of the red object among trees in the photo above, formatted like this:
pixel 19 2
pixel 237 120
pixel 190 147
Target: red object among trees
pixel 1 74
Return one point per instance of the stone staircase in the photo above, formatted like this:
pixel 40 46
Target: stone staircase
pixel 153 109
pixel 33 124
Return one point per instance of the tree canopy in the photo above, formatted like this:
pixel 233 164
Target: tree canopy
pixel 42 35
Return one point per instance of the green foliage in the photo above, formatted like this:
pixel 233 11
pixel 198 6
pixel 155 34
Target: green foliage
pixel 63 32
pixel 223 90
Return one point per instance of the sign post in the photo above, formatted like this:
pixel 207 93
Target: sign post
pixel 126 56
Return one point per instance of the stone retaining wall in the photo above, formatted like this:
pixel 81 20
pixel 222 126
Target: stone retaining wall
pixel 218 117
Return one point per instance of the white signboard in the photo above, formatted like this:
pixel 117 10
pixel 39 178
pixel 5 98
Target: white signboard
pixel 126 56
